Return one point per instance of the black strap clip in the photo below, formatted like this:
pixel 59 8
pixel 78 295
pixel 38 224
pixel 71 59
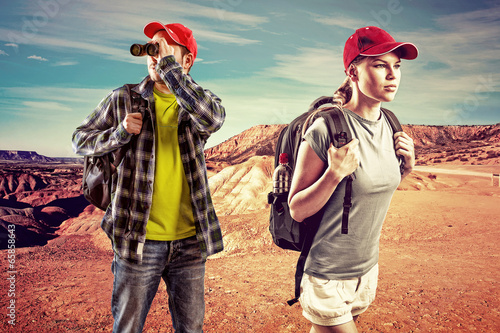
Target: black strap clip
pixel 341 138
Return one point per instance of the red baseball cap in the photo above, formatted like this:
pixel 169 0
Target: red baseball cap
pixel 373 41
pixel 178 33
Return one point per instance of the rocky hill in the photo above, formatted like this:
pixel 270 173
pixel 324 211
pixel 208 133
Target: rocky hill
pixel 37 200
pixel 261 140
pixel 257 141
pixel 21 182
pixel 425 136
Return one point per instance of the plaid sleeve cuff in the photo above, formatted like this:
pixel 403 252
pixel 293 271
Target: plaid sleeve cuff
pixel 121 134
pixel 166 64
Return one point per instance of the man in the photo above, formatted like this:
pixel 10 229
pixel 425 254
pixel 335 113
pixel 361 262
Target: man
pixel 161 221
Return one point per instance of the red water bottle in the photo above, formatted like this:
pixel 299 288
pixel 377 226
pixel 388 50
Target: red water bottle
pixel 282 177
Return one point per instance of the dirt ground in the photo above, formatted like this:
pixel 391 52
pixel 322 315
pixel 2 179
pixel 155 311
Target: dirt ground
pixel 439 268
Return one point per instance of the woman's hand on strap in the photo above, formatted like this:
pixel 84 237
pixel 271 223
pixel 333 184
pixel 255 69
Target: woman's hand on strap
pixel 314 182
pixel 405 148
pixel 344 160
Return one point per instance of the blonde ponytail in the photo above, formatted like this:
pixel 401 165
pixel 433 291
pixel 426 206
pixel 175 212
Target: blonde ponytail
pixel 341 97
pixel 343 94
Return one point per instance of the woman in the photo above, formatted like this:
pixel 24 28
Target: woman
pixel 341 270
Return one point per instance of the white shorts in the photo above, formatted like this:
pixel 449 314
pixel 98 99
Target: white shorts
pixel 336 302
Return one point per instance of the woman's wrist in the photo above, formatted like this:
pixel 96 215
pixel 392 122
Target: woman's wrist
pixel 333 176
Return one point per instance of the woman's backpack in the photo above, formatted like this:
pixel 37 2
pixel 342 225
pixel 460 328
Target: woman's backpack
pixel 287 233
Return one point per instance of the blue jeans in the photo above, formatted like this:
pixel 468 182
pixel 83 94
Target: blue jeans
pixel 181 266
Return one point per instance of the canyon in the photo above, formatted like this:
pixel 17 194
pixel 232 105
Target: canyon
pixel 439 246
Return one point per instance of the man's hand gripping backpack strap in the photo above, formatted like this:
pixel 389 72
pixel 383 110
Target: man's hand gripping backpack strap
pixel 138 104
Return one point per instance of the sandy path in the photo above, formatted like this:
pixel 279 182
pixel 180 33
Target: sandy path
pixel 472 171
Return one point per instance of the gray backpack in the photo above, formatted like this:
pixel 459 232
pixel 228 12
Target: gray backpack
pixel 287 233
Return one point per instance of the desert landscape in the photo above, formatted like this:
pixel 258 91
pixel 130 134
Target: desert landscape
pixel 439 256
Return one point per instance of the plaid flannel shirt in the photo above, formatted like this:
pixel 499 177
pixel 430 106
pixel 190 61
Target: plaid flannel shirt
pixel 200 114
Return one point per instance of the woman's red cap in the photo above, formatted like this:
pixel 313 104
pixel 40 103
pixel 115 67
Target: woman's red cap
pixel 373 41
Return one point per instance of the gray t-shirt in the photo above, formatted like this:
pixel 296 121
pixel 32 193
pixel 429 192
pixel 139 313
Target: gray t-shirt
pixel 339 256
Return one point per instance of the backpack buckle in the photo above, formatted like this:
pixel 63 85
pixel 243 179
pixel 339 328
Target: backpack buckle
pixel 341 138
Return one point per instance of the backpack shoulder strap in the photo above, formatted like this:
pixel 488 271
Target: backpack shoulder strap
pixel 337 126
pixel 138 105
pixel 319 102
pixel 339 135
pixel 396 127
pixel 393 120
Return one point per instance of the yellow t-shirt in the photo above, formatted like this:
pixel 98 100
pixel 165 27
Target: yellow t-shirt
pixel 171 215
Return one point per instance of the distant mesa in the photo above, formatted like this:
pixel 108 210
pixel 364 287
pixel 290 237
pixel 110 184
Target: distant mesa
pixel 21 155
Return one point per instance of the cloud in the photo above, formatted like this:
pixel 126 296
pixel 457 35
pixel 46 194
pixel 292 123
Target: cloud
pixel 223 11
pixel 102 29
pixel 211 62
pixel 309 66
pixel 2 52
pixel 65 63
pixel 124 24
pixel 217 22
pixel 40 106
pixel 223 38
pixel 219 10
pixel 46 117
pixel 338 21
pixel 69 96
pixel 12 45
pixel 456 77
pixel 51 100
pixel 35 57
pixel 86 47
pixel 485 19
pixel 465 41
pixel 457 65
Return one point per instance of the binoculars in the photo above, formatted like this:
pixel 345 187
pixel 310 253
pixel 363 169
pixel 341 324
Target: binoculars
pixel 139 50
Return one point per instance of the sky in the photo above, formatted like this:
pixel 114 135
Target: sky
pixel 267 60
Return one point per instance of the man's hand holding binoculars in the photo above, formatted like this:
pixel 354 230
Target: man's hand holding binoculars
pixel 157 48
pixel 164 49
